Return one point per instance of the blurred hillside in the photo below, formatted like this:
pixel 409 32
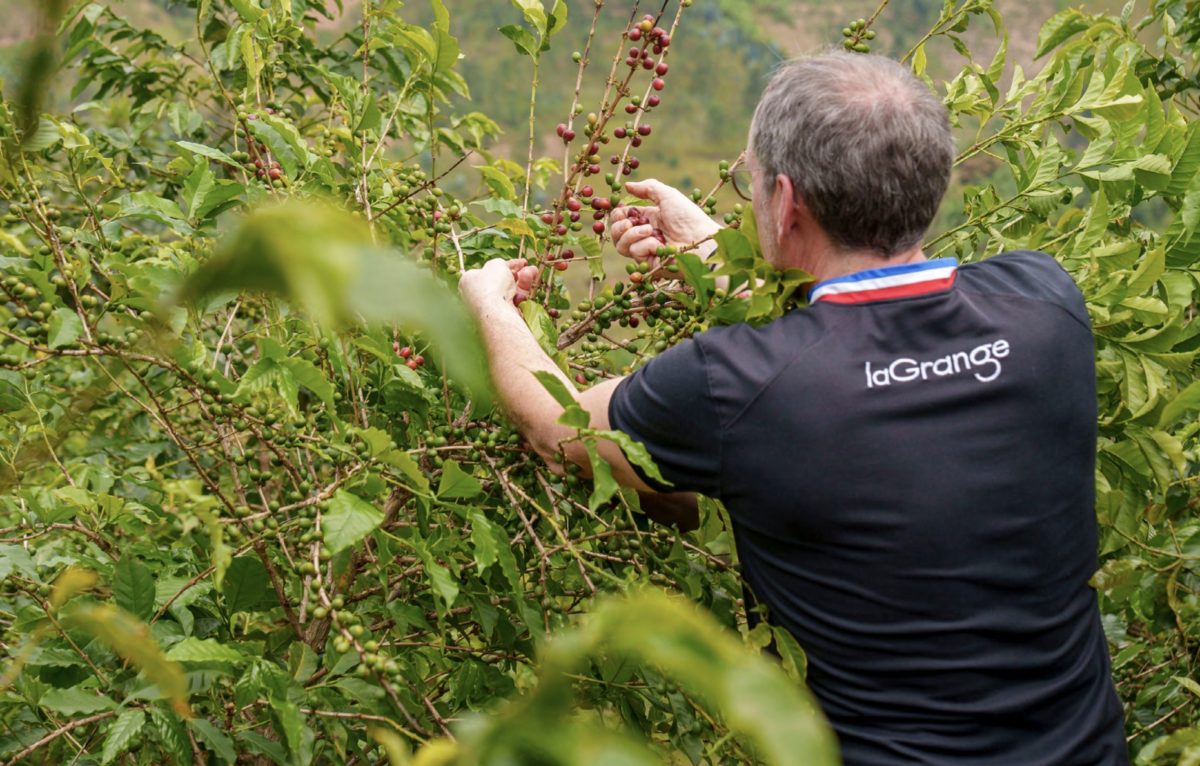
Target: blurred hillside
pixel 721 57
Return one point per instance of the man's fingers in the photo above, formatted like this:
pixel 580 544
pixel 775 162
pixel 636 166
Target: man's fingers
pixel 633 236
pixel 525 278
pixel 645 249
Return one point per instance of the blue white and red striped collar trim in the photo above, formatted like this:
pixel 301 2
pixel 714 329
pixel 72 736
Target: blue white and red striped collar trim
pixel 904 281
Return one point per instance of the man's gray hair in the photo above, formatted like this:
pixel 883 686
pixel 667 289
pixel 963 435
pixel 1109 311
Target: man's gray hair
pixel 866 144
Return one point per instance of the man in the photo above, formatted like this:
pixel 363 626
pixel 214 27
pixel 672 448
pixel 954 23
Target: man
pixel 908 463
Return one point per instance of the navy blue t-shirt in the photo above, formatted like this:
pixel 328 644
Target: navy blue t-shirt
pixel 909 467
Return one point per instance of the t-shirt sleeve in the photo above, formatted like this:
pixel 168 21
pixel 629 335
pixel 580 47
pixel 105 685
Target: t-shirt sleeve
pixel 668 407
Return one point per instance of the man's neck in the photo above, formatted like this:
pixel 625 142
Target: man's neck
pixel 830 264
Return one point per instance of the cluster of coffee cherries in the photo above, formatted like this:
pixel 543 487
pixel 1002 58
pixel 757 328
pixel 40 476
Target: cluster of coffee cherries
pixel 655 36
pixel 411 359
pixel 262 166
pixel 568 219
pixel 471 441
pixel 856 36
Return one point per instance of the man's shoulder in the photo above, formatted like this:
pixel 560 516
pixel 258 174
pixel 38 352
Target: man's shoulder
pixel 1027 274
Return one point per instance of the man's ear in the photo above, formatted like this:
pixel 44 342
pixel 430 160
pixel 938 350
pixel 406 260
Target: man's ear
pixel 789 207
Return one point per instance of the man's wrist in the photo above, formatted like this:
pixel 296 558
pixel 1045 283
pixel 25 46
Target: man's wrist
pixel 493 307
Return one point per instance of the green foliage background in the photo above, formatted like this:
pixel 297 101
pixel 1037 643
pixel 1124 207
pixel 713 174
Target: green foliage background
pixel 240 521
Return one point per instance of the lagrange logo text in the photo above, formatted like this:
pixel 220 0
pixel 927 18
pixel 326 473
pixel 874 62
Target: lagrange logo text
pixel 983 362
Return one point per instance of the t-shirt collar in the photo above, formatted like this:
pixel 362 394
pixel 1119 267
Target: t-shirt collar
pixel 903 281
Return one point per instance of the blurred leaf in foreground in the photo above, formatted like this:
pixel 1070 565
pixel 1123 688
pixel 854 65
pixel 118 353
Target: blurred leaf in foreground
pixel 777 717
pixel 131 639
pixel 321 259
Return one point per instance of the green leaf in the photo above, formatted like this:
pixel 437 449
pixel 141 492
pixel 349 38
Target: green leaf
pixel 1187 400
pixel 542 327
pixel 485 540
pixel 526 43
pixel 439 576
pixel 556 388
pixel 217 742
pixel 1187 683
pixel 791 655
pixel 498 182
pixel 1187 166
pixel 204 650
pixel 64 328
pixel 14 558
pixel 247 586
pixel 575 416
pixel 534 13
pixel 196 189
pixel 75 701
pixel 457 483
pixel 735 248
pixel 252 57
pixel 133 587
pixel 441 15
pixel 208 151
pixel 558 18
pixel 43 136
pixel 604 486
pixel 696 273
pixel 348 520
pixel 310 376
pixel 289 724
pixel 269 374
pixel 249 10
pixel 172 736
pixel 257 743
pixel 127 726
pixel 635 451
pixel 1058 29
pixel 132 640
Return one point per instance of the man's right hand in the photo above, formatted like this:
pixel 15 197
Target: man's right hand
pixel 679 219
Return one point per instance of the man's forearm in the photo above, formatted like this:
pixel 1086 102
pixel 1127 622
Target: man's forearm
pixel 513 356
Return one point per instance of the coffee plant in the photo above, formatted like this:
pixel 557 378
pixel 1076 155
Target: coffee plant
pixel 257 503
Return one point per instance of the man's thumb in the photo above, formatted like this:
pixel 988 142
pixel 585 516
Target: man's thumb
pixel 650 189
